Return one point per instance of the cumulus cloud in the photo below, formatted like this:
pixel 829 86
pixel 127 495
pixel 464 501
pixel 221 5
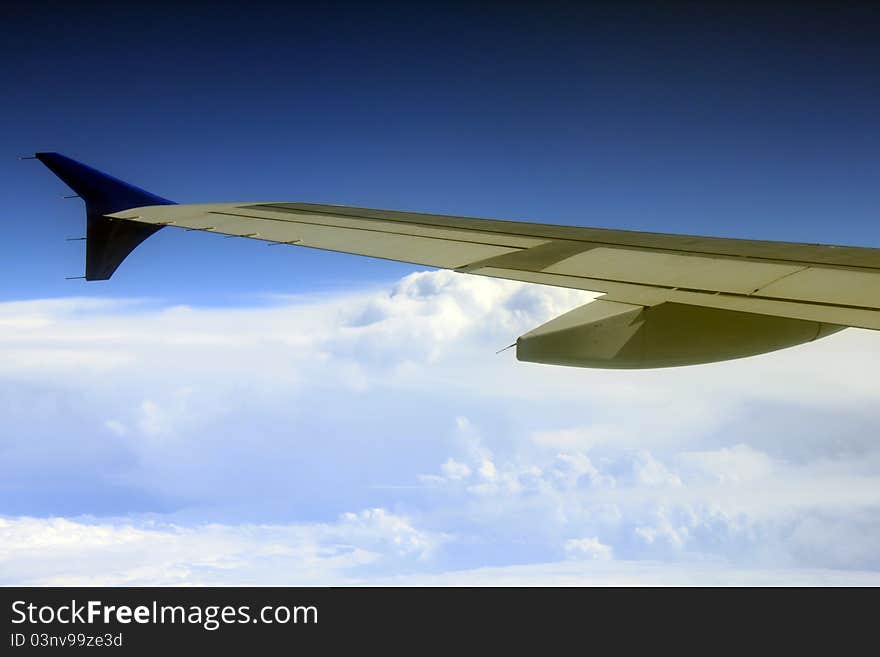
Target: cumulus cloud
pixel 453 469
pixel 233 429
pixel 588 548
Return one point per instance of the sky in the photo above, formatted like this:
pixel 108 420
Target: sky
pixel 223 413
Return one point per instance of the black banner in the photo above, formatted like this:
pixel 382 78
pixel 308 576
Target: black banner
pixel 227 618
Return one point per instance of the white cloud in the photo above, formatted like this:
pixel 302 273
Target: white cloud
pixel 487 470
pixel 396 530
pixel 255 426
pixel 59 551
pixel 588 548
pixel 453 469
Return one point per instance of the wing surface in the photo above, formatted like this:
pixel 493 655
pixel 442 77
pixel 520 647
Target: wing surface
pixel 837 285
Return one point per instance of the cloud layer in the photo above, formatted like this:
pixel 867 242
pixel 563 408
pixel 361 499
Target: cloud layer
pixel 376 436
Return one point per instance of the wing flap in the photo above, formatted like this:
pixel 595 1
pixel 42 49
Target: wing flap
pixel 824 314
pixel 673 269
pixel 838 286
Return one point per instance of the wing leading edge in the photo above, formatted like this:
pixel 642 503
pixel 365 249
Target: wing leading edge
pixel 668 299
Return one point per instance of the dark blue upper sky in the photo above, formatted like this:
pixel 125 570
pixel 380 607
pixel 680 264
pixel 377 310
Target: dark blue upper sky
pixel 760 123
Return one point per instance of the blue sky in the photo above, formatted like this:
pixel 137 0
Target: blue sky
pixel 224 412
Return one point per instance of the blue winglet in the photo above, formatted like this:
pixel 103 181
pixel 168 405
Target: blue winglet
pixel 108 241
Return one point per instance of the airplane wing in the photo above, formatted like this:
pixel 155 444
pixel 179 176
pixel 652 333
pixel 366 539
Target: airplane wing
pixel 668 299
